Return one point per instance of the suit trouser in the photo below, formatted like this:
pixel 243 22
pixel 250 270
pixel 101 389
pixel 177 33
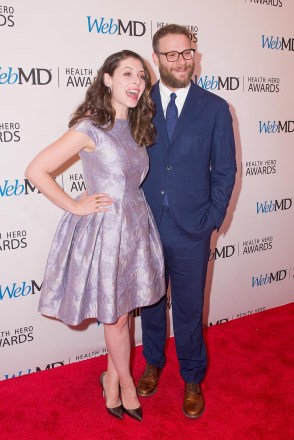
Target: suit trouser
pixel 186 262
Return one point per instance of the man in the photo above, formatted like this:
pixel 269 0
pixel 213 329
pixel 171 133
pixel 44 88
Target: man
pixel 188 187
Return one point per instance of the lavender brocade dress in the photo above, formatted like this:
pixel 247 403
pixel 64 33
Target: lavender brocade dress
pixel 104 265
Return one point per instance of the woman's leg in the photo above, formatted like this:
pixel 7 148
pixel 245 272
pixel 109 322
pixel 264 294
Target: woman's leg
pixel 117 338
pixel 111 385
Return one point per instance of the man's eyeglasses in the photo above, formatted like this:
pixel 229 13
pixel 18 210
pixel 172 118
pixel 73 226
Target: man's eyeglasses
pixel 187 54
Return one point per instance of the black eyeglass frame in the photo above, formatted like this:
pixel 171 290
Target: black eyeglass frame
pixel 179 53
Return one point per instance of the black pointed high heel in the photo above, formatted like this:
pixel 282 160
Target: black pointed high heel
pixel 136 413
pixel 118 410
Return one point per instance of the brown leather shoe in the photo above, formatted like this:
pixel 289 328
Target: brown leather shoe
pixel 194 404
pixel 148 382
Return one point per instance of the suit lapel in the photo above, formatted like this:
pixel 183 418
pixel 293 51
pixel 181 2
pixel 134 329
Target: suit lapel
pixel 159 119
pixel 194 103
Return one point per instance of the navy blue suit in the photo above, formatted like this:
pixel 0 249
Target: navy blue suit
pixel 196 170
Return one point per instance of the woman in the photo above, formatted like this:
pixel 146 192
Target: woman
pixel 106 257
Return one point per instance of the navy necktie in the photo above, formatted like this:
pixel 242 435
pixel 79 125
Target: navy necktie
pixel 171 115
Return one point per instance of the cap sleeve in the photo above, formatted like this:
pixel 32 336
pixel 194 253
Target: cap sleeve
pixel 86 126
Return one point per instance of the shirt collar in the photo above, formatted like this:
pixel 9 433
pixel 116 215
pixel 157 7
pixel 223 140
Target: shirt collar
pixel 165 95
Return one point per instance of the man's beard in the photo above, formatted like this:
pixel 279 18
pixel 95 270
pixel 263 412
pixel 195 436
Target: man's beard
pixel 170 80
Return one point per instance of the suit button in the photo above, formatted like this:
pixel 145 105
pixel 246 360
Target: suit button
pixel 169 167
pixel 162 192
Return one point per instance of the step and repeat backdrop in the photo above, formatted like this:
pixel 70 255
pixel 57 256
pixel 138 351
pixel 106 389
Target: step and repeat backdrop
pixel 50 53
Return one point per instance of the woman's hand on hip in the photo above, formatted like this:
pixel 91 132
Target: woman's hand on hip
pixel 98 202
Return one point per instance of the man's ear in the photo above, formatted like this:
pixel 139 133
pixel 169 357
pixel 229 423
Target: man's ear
pixel 155 59
pixel 107 80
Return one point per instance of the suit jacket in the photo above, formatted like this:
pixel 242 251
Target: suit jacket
pixel 197 168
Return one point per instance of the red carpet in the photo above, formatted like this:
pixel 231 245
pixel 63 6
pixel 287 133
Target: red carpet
pixel 249 392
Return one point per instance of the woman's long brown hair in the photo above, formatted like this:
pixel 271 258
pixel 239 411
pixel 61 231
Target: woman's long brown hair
pixel 97 104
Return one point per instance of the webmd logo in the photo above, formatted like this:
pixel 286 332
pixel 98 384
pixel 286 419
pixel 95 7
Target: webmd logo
pixel 277 43
pixel 34 370
pixel 10 188
pixel 18 290
pixel 271 127
pixel 112 26
pixel 217 83
pixel 225 252
pixel 35 76
pixel 261 280
pixel 272 206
